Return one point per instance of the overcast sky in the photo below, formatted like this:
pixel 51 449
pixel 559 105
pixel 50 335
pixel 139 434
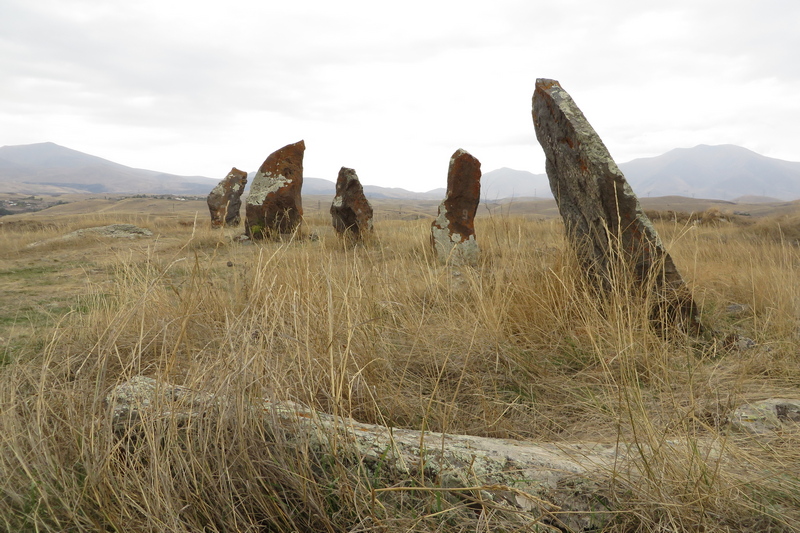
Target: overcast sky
pixel 392 89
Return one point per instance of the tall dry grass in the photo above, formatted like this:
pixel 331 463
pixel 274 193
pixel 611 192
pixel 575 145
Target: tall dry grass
pixel 518 347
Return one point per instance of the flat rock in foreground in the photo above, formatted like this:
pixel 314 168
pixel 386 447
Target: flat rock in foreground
pixel 603 218
pixel 559 484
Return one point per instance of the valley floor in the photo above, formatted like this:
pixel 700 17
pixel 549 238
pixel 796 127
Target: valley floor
pixel 517 348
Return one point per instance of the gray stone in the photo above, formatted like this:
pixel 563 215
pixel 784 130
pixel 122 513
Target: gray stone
pixel 565 482
pixel 604 222
pixel 766 417
pixel 737 309
pixel 225 200
pixel 115 231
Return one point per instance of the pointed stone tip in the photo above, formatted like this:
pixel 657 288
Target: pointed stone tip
pixel 546 84
pixel 346 175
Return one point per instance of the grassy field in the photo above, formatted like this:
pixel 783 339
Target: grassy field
pixel 516 348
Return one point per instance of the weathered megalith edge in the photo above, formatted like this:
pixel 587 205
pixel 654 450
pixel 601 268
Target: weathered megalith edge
pixel 602 215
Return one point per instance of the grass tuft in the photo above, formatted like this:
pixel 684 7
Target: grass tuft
pixel 518 347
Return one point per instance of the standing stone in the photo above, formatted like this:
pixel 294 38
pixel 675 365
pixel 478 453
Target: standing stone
pixel 350 210
pixel 274 206
pixel 602 216
pixel 453 231
pixel 225 200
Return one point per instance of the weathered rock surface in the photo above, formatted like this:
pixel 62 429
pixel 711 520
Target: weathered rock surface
pixel 564 484
pixel 766 417
pixel 603 218
pixel 115 231
pixel 225 200
pixel 350 210
pixel 453 231
pixel 274 205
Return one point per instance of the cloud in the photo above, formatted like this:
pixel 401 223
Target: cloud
pixel 197 88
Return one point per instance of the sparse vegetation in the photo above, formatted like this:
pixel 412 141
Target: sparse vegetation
pixel 517 348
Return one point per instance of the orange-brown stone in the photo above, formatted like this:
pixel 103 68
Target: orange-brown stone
pixel 453 230
pixel 274 206
pixel 350 211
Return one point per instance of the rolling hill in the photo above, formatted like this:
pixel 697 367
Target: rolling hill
pixel 724 172
pixel 50 168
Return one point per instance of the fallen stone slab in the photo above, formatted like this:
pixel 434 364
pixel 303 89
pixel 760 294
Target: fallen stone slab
pixel 561 484
pixel 115 231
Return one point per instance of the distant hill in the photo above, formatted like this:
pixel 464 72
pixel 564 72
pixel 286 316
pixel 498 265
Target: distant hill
pixel 48 167
pixel 725 172
pixel 510 183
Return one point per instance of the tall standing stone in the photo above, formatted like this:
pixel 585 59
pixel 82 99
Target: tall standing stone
pixel 274 205
pixel 225 200
pixel 453 231
pixel 350 210
pixel 602 215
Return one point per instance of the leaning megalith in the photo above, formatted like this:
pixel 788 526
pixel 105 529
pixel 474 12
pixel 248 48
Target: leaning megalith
pixel 225 200
pixel 274 206
pixel 350 210
pixel 453 231
pixel 604 221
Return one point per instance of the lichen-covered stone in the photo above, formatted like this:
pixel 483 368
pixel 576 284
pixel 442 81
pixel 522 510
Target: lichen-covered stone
pixel 604 221
pixel 350 211
pixel 453 230
pixel 274 205
pixel 225 200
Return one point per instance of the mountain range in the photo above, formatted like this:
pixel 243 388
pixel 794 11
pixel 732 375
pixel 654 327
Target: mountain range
pixel 49 168
pixel 724 172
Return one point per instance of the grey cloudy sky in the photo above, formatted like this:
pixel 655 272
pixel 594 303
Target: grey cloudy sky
pixel 392 89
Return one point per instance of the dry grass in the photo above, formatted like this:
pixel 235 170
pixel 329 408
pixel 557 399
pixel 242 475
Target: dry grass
pixel 516 348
